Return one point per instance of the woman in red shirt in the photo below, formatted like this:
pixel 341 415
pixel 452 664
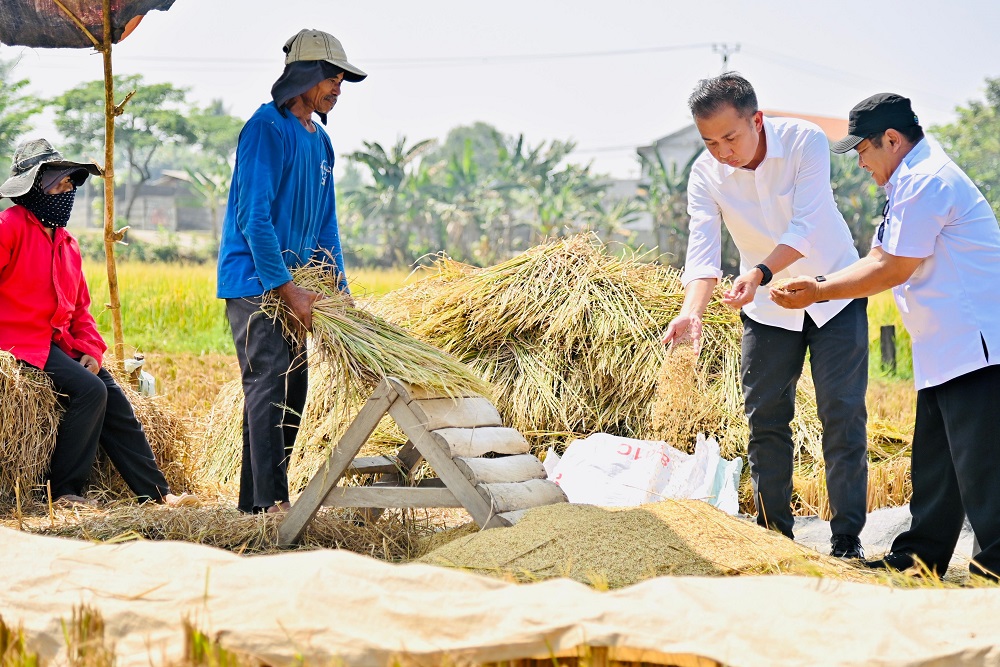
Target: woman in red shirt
pixel 46 322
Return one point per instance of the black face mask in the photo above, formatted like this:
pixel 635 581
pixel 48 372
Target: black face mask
pixel 52 210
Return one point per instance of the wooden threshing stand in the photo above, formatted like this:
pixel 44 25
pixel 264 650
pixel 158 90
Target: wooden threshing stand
pixel 480 464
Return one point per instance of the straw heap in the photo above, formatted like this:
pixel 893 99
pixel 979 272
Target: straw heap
pixel 29 417
pixel 169 437
pixel 567 333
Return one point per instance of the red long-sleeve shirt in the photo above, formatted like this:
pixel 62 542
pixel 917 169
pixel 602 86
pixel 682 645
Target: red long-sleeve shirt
pixel 43 294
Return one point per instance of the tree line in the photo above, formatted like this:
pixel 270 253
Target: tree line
pixel 479 195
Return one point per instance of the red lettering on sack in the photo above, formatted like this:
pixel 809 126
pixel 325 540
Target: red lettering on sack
pixel 628 449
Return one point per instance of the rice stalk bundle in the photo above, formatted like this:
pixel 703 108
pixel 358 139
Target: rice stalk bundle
pixel 889 485
pixel 220 452
pixel 362 349
pixel 568 334
pixel 29 418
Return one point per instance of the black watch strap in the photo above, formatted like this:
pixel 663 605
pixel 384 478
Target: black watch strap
pixel 821 279
pixel 766 272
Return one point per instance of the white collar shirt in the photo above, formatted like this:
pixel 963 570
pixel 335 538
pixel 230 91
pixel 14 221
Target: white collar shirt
pixel 950 305
pixel 786 200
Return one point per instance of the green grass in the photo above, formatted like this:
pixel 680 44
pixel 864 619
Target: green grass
pixel 169 308
pixel 882 311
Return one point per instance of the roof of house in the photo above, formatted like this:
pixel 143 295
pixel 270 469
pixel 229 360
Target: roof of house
pixel 834 128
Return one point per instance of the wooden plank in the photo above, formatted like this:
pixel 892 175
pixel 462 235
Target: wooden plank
pixel 370 465
pixel 519 468
pixel 507 497
pixel 440 460
pixel 412 392
pixel 473 442
pixel 309 502
pixel 387 496
pixel 409 457
pixel 438 413
pixel 513 517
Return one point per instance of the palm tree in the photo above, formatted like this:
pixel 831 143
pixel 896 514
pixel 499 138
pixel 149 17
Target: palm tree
pixel 384 199
pixel 663 194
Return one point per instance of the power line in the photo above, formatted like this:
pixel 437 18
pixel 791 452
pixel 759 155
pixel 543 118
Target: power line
pixel 434 60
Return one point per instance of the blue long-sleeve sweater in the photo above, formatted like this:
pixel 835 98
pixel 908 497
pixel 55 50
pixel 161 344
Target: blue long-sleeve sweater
pixel 282 207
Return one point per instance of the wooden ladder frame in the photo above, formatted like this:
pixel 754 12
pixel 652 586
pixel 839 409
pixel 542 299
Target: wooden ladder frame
pixel 450 434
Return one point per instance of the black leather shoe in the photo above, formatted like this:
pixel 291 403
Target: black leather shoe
pixel 898 561
pixel 847 547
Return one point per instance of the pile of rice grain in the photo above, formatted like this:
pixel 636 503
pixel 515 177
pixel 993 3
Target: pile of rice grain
pixel 616 547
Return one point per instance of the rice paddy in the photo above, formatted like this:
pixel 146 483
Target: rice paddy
pixel 566 334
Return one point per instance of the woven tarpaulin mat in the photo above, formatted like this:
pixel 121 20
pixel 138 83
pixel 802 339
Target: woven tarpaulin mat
pixel 43 23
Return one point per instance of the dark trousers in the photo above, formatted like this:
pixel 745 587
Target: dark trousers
pixel 772 360
pixel 956 444
pixel 275 380
pixel 97 411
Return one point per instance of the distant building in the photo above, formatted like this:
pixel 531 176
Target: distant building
pixel 168 203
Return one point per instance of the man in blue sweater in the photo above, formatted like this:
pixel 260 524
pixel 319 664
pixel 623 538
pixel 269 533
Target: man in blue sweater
pixel 281 214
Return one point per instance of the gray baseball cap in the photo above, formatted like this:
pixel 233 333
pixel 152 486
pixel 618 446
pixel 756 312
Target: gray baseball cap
pixel 29 157
pixel 309 44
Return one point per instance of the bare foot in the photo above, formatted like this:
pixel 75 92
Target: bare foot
pixel 183 500
pixel 279 508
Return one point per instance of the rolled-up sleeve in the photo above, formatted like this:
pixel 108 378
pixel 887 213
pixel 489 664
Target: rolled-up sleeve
pixel 812 190
pixel 704 251
pixel 261 163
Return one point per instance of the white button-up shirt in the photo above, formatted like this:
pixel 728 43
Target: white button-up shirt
pixel 950 304
pixel 786 200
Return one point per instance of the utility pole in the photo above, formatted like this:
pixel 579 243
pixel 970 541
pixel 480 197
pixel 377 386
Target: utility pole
pixel 725 50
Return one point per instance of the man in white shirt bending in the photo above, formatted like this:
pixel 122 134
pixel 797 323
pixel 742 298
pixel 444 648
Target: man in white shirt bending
pixel 768 181
pixel 938 248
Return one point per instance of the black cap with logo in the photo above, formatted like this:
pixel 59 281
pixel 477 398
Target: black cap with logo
pixel 874 115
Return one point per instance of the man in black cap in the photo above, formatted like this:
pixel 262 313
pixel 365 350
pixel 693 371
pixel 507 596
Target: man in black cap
pixel 938 248
pixel 281 214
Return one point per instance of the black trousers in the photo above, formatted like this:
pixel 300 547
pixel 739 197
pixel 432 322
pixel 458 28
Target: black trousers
pixel 956 444
pixel 772 360
pixel 97 411
pixel 275 380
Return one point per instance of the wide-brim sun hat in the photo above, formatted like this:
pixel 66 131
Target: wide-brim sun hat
pixel 309 44
pixel 29 157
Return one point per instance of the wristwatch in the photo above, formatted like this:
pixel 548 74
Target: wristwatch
pixel 766 272
pixel 821 279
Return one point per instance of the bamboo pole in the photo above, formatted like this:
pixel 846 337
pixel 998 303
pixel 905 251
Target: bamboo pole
pixel 110 237
pixel 110 111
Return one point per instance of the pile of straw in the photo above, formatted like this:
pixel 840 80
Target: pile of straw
pixel 219 453
pixel 568 334
pixel 395 537
pixel 29 417
pixel 169 437
pixel 612 548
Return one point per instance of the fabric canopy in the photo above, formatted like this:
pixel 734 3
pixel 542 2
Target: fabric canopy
pixel 42 23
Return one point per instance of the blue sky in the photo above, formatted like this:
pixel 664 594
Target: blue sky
pixel 610 76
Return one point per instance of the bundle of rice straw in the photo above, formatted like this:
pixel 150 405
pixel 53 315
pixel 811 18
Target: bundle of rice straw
pixel 362 348
pixel 29 417
pixel 219 455
pixel 569 336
